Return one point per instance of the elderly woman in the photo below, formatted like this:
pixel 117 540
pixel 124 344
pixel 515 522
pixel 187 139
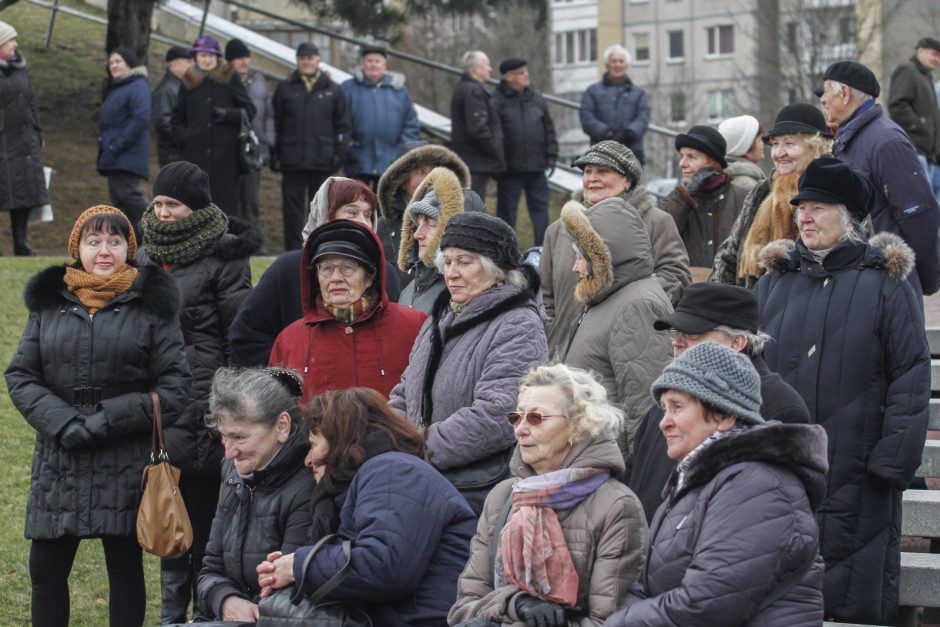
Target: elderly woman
pixel 486 331
pixel 610 183
pixel 566 466
pixel 850 338
pixel 265 501
pixel 799 136
pixel 101 334
pixel 436 200
pixel 350 335
pixel 620 300
pixel 735 541
pixel 408 527
pixel 745 149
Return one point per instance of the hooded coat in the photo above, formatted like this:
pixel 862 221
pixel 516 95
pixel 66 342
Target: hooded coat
pixel 212 288
pixel 741 522
pixel 849 336
pixel 476 129
pixel 613 337
pixel 23 185
pixel 609 109
pixel 207 141
pixel 370 352
pixel 130 346
pixel 123 136
pixel 606 536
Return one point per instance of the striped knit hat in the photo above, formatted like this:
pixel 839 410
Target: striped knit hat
pixel 615 156
pixel 99 210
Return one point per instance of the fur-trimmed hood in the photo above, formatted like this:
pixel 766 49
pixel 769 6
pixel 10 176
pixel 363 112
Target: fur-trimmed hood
pixel 443 181
pixel 153 285
pixel 615 243
pixel 18 62
pixel 221 73
pixel 884 250
pixel 395 80
pixel 391 188
pixel 320 208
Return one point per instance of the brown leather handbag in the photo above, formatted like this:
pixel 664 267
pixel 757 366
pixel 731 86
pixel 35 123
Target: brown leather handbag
pixel 163 526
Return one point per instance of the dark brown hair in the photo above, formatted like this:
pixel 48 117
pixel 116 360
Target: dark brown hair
pixel 343 418
pixel 345 191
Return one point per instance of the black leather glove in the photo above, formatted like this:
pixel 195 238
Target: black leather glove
pixel 539 613
pixel 627 137
pixel 98 426
pixel 275 163
pixel 218 114
pixel 477 622
pixel 75 436
pixel 698 179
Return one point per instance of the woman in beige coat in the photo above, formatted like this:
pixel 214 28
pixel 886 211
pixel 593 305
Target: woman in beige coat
pixel 589 524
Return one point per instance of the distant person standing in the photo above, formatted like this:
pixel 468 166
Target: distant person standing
pixel 476 131
pixel 165 96
pixel 313 135
pixel 123 137
pixel 249 185
pixel 529 145
pixel 382 114
pixel 912 103
pixel 208 117
pixel 615 108
pixel 22 185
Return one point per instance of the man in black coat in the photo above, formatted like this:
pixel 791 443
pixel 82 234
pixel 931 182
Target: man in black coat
pixel 312 127
pixel 476 131
pixel 165 95
pixel 529 145
pixel 707 312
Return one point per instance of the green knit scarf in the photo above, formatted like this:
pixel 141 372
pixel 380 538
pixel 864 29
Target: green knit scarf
pixel 184 241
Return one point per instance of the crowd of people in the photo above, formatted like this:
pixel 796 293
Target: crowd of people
pixel 695 411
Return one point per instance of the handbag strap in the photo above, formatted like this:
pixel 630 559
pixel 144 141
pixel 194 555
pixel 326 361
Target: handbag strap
pixel 320 593
pixel 157 445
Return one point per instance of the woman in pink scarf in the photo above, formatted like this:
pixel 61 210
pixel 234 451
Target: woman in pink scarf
pixel 559 543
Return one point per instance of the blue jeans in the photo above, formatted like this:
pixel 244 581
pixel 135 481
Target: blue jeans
pixel 933 175
pixel 509 190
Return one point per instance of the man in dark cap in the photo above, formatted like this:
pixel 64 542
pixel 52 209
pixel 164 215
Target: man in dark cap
pixel 529 146
pixel 912 103
pixel 313 136
pixel 870 142
pixel 165 96
pixel 707 312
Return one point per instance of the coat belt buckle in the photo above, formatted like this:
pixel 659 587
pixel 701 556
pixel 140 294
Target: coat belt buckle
pixel 86 395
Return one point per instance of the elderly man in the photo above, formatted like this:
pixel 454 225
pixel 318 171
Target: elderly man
pixel 165 96
pixel 476 132
pixel 615 108
pixel 707 312
pixel 912 103
pixel 871 143
pixel 382 113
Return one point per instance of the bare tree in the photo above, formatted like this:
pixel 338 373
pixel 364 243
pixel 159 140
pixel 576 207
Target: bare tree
pixel 129 25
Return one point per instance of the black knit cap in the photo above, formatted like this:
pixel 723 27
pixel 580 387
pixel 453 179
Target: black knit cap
pixel 184 181
pixel 799 118
pixel 177 52
pixel 485 235
pixel 853 74
pixel 128 55
pixel 705 139
pixel 345 238
pixel 832 181
pixel 513 63
pixel 704 306
pixel 236 49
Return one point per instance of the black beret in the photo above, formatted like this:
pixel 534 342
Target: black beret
pixel 307 48
pixel 853 74
pixel 508 65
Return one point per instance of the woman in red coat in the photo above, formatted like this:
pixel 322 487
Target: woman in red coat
pixel 350 334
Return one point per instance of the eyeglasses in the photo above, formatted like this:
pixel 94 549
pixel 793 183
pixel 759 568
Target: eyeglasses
pixel 534 418
pixel 689 337
pixel 347 269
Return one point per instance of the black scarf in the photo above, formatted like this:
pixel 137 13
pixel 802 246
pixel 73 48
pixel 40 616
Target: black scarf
pixel 184 241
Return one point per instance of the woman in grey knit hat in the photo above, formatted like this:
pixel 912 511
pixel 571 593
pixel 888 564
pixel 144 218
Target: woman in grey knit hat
pixel 735 541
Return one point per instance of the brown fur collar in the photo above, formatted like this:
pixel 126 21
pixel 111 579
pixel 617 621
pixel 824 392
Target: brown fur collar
pixel 396 176
pixel 888 251
pixel 773 221
pixel 595 251
pixel 221 73
pixel 443 181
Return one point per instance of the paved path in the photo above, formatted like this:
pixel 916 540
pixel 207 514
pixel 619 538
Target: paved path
pixel 932 310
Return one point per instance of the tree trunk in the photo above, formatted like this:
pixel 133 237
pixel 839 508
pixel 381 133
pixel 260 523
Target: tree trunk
pixel 129 26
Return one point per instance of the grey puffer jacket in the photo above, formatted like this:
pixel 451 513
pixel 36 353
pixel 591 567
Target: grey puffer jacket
pixel 480 355
pixel 606 535
pixel 130 346
pixel 742 521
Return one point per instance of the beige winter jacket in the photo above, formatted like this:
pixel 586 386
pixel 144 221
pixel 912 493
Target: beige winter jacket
pixel 606 535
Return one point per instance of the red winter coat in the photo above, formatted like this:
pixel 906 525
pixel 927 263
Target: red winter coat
pixel 371 352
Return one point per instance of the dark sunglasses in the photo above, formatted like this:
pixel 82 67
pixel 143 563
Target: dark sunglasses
pixel 534 418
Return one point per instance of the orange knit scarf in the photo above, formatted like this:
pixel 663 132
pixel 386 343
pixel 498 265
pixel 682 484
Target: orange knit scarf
pixel 97 291
pixel 773 221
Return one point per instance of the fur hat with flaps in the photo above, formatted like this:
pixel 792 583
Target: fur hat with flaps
pixel 444 189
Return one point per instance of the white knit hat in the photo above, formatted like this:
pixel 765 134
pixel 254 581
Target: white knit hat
pixel 7 33
pixel 739 133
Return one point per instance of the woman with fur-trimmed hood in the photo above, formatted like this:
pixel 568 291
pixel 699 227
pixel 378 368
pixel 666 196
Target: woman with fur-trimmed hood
pixel 435 202
pixel 620 299
pixel 849 336
pixel 207 119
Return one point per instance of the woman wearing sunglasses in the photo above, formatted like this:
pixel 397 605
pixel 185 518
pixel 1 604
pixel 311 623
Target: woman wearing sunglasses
pixel 561 542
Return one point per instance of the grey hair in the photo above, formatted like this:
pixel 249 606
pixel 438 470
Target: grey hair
pixel 253 395
pixel 616 49
pixel 512 277
pixel 470 59
pixel 755 341
pixel 587 408
pixel 855 95
pixel 851 228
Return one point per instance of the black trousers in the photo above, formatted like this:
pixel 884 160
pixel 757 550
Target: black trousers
pixel 298 188
pixel 509 190
pixel 249 191
pixel 50 562
pixel 124 190
pixel 478 183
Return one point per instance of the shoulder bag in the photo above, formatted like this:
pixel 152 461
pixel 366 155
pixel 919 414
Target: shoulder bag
pixel 249 147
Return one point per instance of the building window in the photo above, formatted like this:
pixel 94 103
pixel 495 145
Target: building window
pixel 720 40
pixel 676 45
pixel 641 47
pixel 720 104
pixel 677 108
pixel 576 46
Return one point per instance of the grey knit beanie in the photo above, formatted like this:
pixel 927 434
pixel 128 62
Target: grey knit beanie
pixel 716 375
pixel 430 206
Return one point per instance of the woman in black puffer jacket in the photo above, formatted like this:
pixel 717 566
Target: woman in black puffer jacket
pixel 208 255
